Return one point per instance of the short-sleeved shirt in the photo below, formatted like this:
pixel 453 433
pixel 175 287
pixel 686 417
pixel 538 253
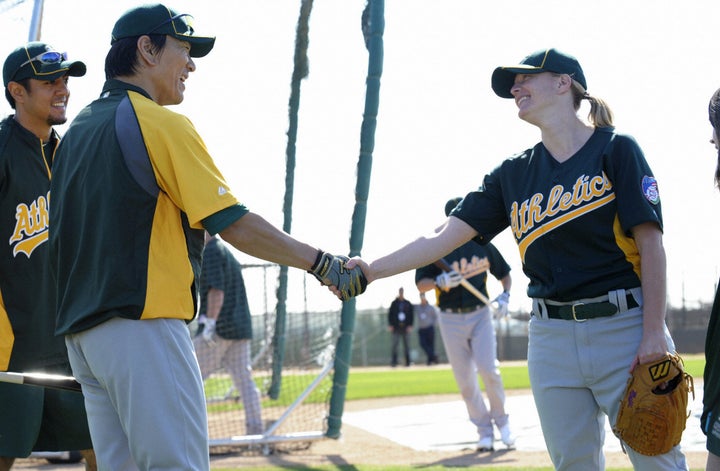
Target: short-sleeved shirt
pixel 572 221
pixel 472 261
pixel 132 183
pixel 222 271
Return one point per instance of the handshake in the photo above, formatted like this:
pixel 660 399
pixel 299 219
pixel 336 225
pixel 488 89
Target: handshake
pixel 331 270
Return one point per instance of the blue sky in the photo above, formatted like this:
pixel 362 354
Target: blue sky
pixel 440 127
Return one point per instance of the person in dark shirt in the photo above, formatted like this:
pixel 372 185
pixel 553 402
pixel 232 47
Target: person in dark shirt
pixel 400 324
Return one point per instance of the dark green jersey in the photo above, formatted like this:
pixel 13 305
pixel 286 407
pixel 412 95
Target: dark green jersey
pixel 572 221
pixel 711 376
pixel 472 261
pixel 222 271
pixel 133 183
pixel 27 321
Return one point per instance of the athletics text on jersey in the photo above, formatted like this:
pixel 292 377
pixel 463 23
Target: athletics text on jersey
pixel 596 197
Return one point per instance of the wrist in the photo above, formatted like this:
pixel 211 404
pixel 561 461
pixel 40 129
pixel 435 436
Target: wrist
pixel 318 259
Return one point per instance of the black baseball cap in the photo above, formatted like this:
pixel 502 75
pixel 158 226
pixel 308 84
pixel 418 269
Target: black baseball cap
pixel 39 61
pixel 546 60
pixel 159 19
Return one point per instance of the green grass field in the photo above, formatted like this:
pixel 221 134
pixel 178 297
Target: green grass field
pixel 365 384
pixel 369 384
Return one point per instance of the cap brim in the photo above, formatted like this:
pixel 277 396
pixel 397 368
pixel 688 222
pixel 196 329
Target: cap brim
pixel 503 78
pixel 75 68
pixel 53 72
pixel 199 46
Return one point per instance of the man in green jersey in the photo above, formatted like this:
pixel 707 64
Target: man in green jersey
pixel 136 189
pixel 32 418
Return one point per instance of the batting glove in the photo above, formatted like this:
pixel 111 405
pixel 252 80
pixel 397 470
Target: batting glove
pixel 208 333
pixel 502 301
pixel 331 270
pixel 448 280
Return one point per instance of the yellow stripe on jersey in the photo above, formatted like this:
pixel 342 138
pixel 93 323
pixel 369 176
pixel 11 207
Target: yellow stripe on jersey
pixel 628 246
pixel 567 217
pixel 191 186
pixel 169 272
pixel 7 337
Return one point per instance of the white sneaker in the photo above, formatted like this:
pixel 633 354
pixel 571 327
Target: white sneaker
pixel 506 435
pixel 485 444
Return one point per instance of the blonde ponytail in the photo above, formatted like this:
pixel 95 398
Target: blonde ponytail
pixel 600 115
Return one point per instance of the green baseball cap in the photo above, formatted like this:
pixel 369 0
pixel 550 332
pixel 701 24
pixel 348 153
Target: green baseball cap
pixel 159 19
pixel 41 62
pixel 546 60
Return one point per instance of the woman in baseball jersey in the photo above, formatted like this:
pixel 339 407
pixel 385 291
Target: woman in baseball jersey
pixel 710 420
pixel 584 208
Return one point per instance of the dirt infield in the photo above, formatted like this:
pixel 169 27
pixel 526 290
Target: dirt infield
pixel 357 446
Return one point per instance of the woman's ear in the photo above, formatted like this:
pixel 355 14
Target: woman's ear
pixel 565 83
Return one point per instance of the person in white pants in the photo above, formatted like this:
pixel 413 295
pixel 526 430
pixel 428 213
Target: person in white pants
pixel 224 335
pixel 468 333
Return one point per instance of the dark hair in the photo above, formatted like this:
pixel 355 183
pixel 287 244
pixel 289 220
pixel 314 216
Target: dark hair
pixel 714 114
pixel 121 59
pixel 25 84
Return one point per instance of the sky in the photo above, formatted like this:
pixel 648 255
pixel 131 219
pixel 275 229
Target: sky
pixel 440 127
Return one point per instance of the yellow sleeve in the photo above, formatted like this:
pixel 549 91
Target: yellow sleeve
pixel 183 167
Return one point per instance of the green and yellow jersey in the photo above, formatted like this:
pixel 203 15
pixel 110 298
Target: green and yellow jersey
pixel 27 290
pixel 133 182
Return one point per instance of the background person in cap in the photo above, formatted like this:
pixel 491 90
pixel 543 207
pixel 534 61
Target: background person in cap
pixel 135 190
pixel 468 333
pixel 710 419
pixel 584 208
pixel 32 418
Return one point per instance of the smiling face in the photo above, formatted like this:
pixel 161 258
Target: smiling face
pixel 174 67
pixel 42 105
pixel 533 93
pixel 543 97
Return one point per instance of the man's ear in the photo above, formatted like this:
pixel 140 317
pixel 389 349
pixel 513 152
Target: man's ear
pixel 146 50
pixel 17 91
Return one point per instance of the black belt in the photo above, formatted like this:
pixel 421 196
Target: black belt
pixel 463 310
pixel 582 311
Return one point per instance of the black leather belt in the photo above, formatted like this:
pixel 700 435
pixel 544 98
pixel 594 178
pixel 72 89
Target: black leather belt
pixel 463 310
pixel 582 311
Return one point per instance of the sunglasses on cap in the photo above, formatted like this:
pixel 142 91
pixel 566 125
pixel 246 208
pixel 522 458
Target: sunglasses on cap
pixel 47 57
pixel 187 22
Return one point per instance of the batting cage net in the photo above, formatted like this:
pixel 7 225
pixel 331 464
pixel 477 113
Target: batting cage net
pixel 267 373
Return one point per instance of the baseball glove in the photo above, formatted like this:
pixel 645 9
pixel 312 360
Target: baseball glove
pixel 654 407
